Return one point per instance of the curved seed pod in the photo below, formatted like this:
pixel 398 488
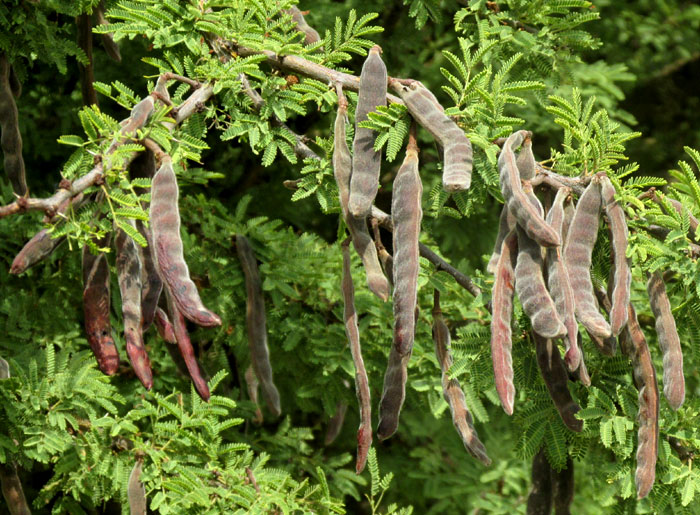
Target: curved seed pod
pixel 167 248
pixel 670 344
pixel 501 333
pixel 151 283
pixel 35 250
pixel 385 258
pixel 87 76
pixel 393 393
pixel 582 370
pixel 427 111
pixel 532 291
pixel 366 162
pixel 16 85
pixel 252 383
pixel 164 327
pixel 563 488
pixel 522 203
pixel 361 240
pixel 539 502
pixel 335 424
pixel 364 432
pixel 451 389
pixel 622 277
pixel 577 256
pixel 11 139
pixel 559 285
pixel 526 159
pixel 12 491
pixel 129 275
pixel 311 34
pixel 506 223
pixel 556 378
pixel 256 324
pixel 634 345
pixel 136 493
pixel 606 346
pixel 108 42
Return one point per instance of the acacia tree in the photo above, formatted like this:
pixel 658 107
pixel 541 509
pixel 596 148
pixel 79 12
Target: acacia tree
pixel 235 147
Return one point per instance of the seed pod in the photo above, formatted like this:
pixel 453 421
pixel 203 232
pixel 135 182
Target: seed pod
pixel 335 424
pixel 167 248
pixel 34 251
pixel 108 43
pixel 352 331
pixel 582 370
pixel 556 378
pixel 427 111
pixel 577 256
pixel 12 491
pixel 385 258
pixel 451 389
pixel 520 202
pixel 15 84
pixel 151 283
pixel 136 492
pixel 669 342
pixel 4 369
pixel 11 139
pixel 506 223
pixel 563 488
pixel 256 324
pixel 311 34
pixel 532 291
pixel 361 240
pixel 87 76
pixel 634 345
pixel 606 346
pixel 393 393
pixel 526 159
pixel 252 383
pixel 501 333
pixel 366 162
pixel 622 277
pixel 164 327
pixel 539 502
pixel 559 285
pixel 129 275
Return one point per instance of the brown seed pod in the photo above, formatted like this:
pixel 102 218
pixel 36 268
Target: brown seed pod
pixel 12 491
pixel 352 331
pixel 87 76
pixel 559 285
pixel 96 304
pixel 311 34
pixel 108 42
pixel 34 251
pixel 252 384
pixel 532 290
pixel 167 248
pixel 151 283
pixel 577 257
pixel 136 493
pixel 501 333
pixel 256 324
pixel 361 240
pixel 526 159
pixel 556 378
pixel 393 393
pixel 366 162
pixel 335 424
pixel 385 258
pixel 539 502
pixel 634 345
pixel 451 389
pixel 164 327
pixel 129 275
pixel 427 111
pixel 563 488
pixel 669 342
pixel 11 139
pixel 506 223
pixel 622 276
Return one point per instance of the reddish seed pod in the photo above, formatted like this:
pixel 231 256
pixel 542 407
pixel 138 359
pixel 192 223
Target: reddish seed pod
pixel 11 139
pixel 501 333
pixel 167 248
pixel 164 327
pixel 311 34
pixel 252 384
pixel 352 331
pixel 669 342
pixel 451 389
pixel 427 111
pixel 506 224
pixel 136 493
pixel 108 42
pixel 539 502
pixel 556 378
pixel 335 424
pixel 256 324
pixel 366 162
pixel 34 251
pixel 151 283
pixel 577 256
pixel 622 276
pixel 393 393
pixel 361 240
pixel 582 370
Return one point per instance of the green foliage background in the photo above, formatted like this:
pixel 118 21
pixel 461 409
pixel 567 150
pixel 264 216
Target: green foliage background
pixel 583 78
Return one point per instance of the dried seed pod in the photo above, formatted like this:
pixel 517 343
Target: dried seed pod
pixel 501 333
pixel 11 139
pixel 521 202
pixel 526 159
pixel 87 76
pixel 427 111
pixel 634 345
pixel 129 275
pixel 532 290
pixel 252 383
pixel 167 248
pixel 563 488
pixel 151 283
pixel 366 162
pixel 335 424
pixel 539 502
pixel 164 327
pixel 385 258
pixel 582 370
pixel 352 331
pixel 12 491
pixel 577 256
pixel 108 42
pixel 311 34
pixel 256 324
pixel 35 250
pixel 451 389
pixel 556 378
pixel 606 346
pixel 559 285
pixel 393 393
pixel 669 342
pixel 506 223
pixel 622 277
pixel 136 493
pixel 361 240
